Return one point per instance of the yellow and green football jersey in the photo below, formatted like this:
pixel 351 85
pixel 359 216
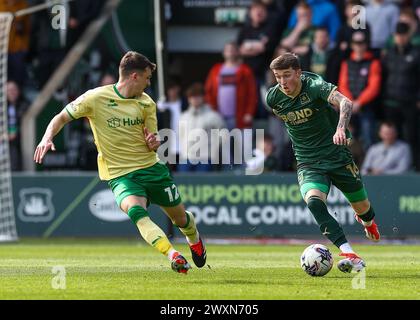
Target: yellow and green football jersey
pixel 117 124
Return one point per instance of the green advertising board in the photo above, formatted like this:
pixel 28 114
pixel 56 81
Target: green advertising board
pixel 49 205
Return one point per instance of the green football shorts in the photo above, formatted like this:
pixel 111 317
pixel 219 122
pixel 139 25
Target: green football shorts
pixel 154 183
pixel 347 179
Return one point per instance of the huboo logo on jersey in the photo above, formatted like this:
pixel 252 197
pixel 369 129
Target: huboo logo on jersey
pixel 126 122
pixel 103 206
pixel 35 205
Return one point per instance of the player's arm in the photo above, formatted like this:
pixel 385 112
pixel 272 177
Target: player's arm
pixel 151 139
pixel 345 106
pixel 54 127
pixel 150 129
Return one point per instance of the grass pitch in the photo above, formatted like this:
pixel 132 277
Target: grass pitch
pixel 125 269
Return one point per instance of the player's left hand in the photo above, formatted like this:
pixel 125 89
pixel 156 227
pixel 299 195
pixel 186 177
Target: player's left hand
pixel 340 137
pixel 151 139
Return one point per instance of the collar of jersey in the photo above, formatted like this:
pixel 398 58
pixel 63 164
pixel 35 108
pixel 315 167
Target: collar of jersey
pixel 119 94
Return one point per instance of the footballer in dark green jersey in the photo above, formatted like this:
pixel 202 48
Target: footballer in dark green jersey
pixel 308 106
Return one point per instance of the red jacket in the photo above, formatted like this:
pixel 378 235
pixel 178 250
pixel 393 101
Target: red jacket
pixel 246 92
pixel 373 87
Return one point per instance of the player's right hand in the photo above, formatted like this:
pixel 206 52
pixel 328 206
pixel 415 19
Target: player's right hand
pixel 42 149
pixel 340 137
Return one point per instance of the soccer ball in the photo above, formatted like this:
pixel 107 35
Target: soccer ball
pixel 316 260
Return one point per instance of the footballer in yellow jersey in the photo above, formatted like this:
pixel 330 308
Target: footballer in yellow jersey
pixel 123 120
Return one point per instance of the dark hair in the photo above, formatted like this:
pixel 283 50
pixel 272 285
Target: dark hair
pixel 354 3
pixel 322 29
pixel 303 4
pixel 389 123
pixel 285 61
pixel 133 61
pixel 196 89
pixel 268 137
pixel 257 3
pixel 402 28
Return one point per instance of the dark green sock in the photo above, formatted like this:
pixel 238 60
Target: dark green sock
pixel 368 216
pixel 327 224
pixel 136 213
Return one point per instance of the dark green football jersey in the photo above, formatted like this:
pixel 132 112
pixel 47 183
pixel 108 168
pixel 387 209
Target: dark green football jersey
pixel 311 122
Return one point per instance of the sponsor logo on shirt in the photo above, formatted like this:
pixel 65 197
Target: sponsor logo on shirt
pixel 296 117
pixel 126 122
pixel 112 103
pixel 114 123
pixel 304 98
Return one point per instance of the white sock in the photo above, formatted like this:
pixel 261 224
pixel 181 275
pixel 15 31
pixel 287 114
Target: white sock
pixel 367 223
pixel 191 241
pixel 346 248
pixel 171 253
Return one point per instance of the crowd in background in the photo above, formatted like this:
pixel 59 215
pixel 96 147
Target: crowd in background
pixel 374 61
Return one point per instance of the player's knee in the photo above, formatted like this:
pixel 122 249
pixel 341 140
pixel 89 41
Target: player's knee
pixel 315 193
pixel 361 207
pixel 180 220
pixel 313 202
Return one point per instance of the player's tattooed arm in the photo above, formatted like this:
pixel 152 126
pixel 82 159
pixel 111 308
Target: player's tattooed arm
pixel 345 106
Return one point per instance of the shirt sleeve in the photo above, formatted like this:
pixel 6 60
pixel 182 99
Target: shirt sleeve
pixel 150 120
pixel 81 107
pixel 325 89
pixel 268 97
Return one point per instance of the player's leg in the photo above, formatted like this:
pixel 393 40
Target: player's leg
pixel 164 193
pixel 329 227
pixel 314 187
pixel 349 181
pixel 365 214
pixel 185 221
pixel 132 199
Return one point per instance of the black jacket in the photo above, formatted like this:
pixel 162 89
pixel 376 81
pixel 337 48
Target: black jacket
pixel 402 74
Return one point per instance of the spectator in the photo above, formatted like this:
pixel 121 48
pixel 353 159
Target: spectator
pixel 325 14
pixel 408 16
pixel 194 150
pixel 256 41
pixel 318 57
pixel 390 156
pixel 48 46
pixel 174 104
pixel 346 31
pixel 382 17
pixel 360 81
pixel 18 41
pixel 299 38
pixel 107 79
pixel 277 15
pixel 263 157
pixel 402 87
pixel 16 107
pixel 231 89
pixel 342 48
pixel 356 147
pixel 416 7
pixel 81 14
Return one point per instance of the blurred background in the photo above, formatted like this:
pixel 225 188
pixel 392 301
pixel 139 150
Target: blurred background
pixel 216 54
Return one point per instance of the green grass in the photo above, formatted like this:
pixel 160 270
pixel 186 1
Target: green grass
pixel 123 269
